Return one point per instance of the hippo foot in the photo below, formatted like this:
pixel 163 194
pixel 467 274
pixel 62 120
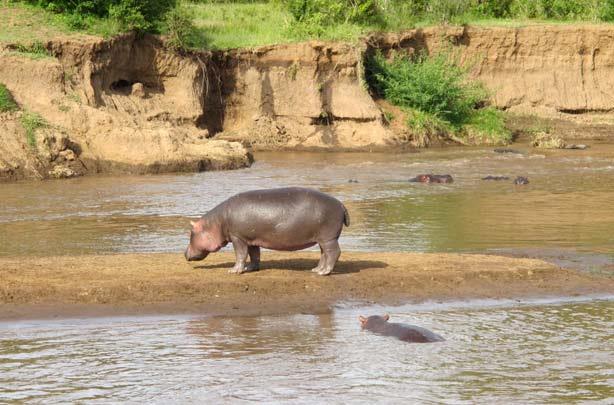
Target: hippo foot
pixel 252 267
pixel 324 271
pixel 237 270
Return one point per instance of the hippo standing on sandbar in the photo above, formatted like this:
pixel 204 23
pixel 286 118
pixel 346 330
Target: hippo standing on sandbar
pixel 280 219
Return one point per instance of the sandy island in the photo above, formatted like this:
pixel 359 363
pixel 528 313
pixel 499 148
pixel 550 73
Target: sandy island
pixel 139 284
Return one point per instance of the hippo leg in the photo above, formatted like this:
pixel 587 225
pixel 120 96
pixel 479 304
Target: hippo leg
pixel 241 250
pixel 318 268
pixel 331 255
pixel 254 258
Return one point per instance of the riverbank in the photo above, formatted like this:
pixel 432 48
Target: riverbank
pixel 130 104
pixel 139 284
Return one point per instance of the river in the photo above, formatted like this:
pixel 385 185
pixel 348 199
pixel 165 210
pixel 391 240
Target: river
pixel 556 351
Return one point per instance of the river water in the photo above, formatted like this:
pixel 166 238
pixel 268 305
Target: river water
pixel 495 352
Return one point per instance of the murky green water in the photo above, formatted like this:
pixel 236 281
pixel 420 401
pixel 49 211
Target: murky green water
pixel 558 352
pixel 493 353
pixel 566 209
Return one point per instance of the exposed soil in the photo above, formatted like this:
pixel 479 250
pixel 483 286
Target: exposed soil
pixel 166 283
pixel 129 104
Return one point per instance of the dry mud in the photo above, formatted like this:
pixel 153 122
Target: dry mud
pixel 128 284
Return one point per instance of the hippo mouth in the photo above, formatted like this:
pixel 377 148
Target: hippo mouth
pixel 192 258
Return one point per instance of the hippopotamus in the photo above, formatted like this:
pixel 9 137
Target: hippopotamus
pixel 495 178
pixel 521 180
pixel 280 219
pixel 507 150
pixel 407 333
pixel 432 178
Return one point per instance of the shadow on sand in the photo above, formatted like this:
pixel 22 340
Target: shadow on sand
pixel 342 267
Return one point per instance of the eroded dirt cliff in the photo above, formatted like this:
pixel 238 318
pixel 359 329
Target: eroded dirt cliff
pixel 125 104
pixel 563 73
pixel 129 104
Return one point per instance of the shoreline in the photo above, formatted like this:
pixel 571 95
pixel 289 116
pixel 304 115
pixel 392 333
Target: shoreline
pixel 165 284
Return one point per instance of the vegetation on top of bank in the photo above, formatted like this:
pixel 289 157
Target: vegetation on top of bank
pixel 245 23
pixel 439 98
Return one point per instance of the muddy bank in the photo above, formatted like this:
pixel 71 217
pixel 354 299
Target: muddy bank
pixel 165 283
pixel 130 105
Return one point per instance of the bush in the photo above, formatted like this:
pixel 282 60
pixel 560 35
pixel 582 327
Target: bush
pixel 487 125
pixel 438 96
pixel 6 100
pixel 139 15
pixel 435 84
pixel 319 13
pixel 180 28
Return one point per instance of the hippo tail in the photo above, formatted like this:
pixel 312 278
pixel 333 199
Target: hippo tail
pixel 346 216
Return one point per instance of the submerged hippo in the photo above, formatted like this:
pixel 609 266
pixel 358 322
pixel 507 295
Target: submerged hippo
pixel 407 333
pixel 432 178
pixel 521 180
pixel 495 178
pixel 279 219
pixel 507 150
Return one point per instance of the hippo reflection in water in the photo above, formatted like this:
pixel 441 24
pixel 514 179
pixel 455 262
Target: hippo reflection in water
pixel 407 333
pixel 432 178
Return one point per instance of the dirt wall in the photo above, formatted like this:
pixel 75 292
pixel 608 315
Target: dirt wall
pixel 128 104
pixel 551 71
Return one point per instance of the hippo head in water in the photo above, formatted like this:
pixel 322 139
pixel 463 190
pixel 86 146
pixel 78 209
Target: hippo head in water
pixel 373 322
pixel 204 239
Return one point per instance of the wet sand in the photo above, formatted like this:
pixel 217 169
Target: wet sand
pixel 142 284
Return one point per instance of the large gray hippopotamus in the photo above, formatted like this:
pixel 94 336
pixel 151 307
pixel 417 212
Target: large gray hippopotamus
pixel 407 333
pixel 280 219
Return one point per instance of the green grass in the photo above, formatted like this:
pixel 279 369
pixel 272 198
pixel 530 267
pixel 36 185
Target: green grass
pixel 31 122
pixel 487 125
pixel 34 50
pixel 6 100
pixel 21 23
pixel 235 25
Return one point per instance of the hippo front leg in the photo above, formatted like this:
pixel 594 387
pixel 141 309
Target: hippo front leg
pixel 331 253
pixel 241 250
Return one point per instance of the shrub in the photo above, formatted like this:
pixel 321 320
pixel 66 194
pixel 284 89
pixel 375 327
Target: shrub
pixel 180 28
pixel 315 15
pixel 140 15
pixel 438 96
pixel 487 125
pixel 6 100
pixel 435 84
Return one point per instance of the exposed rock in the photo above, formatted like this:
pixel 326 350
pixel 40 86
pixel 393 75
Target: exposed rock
pixel 138 90
pixel 62 172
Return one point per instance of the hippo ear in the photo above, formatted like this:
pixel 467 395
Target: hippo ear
pixel 386 317
pixel 362 319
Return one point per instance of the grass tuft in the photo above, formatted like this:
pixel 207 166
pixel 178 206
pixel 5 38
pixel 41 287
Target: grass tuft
pixel 31 122
pixel 7 103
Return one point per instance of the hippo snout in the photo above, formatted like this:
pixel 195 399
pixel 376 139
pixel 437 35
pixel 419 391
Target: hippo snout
pixel 189 256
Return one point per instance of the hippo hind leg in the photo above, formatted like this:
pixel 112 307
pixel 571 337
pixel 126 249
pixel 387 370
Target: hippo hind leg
pixel 330 253
pixel 254 258
pixel 320 265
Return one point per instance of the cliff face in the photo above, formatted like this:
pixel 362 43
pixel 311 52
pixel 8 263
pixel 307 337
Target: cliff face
pixel 123 105
pixel 307 95
pixel 567 69
pixel 128 104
